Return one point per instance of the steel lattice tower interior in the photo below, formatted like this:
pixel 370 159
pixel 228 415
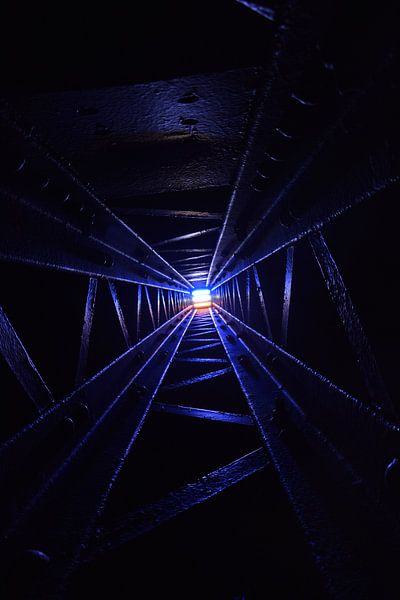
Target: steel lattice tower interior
pixel 152 446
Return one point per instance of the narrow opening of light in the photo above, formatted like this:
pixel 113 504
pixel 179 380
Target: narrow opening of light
pixel 201 298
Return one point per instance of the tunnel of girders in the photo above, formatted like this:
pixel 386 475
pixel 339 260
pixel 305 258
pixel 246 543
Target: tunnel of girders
pixel 246 450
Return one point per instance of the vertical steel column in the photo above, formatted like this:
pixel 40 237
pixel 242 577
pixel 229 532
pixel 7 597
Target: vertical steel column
pixel 239 297
pixel 120 314
pixel 22 365
pixel 86 330
pixel 169 308
pixel 262 300
pixel 146 290
pixel 230 302
pixel 248 289
pixel 287 295
pixel 139 310
pixel 351 322
pixel 158 307
pixel 164 304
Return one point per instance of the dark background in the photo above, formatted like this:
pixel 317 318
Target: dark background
pixel 246 539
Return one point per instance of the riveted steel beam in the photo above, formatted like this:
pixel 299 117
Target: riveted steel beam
pixel 151 516
pixel 28 455
pixel 301 202
pixel 19 361
pixel 355 428
pixel 120 314
pixel 202 413
pixel 195 380
pixel 86 330
pixel 351 322
pixel 330 453
pixel 51 218
pixel 266 12
pixel 171 213
pixel 186 236
pixel 60 516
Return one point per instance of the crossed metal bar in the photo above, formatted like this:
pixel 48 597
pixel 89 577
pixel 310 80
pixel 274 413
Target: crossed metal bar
pixel 331 470
pixel 89 434
pixel 65 225
pixel 300 208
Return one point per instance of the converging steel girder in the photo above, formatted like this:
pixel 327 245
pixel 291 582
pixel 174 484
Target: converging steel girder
pixel 295 49
pixel 297 200
pixel 331 453
pixel 59 470
pixel 50 218
pixel 147 518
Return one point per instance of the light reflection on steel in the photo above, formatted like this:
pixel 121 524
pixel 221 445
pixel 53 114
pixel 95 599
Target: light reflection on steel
pixel 331 509
pixel 62 510
pixel 151 516
pixel 287 295
pixel 146 291
pixel 23 367
pixel 366 361
pixel 86 330
pixel 120 314
pixel 262 300
pixel 202 413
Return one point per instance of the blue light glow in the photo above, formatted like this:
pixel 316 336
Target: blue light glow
pixel 201 298
pixel 201 295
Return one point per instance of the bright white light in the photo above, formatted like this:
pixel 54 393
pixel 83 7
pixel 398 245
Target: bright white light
pixel 201 295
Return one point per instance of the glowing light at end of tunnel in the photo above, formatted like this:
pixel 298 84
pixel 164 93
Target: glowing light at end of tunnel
pixel 201 298
pixel 201 304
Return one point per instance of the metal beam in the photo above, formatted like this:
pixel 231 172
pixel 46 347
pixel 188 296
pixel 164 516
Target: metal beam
pixel 191 258
pixel 262 301
pixel 356 429
pixel 22 365
pixel 195 380
pixel 61 516
pixel 187 236
pixel 267 13
pixel 70 227
pixel 356 335
pixel 239 295
pixel 171 213
pixel 86 331
pixel 202 413
pixel 146 291
pixel 301 202
pixel 151 516
pixel 287 295
pixel 120 314
pixel 187 251
pixel 325 485
pixel 295 42
pixel 33 235
pixel 248 297
pixel 194 339
pixel 164 305
pixel 198 348
pixel 202 360
pixel 139 312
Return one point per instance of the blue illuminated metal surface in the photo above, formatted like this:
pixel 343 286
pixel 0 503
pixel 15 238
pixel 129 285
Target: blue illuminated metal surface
pixel 331 509
pixel 295 145
pixel 202 413
pixel 86 330
pixel 120 314
pixel 62 522
pixel 175 503
pixel 22 365
pixel 351 322
pixel 195 380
